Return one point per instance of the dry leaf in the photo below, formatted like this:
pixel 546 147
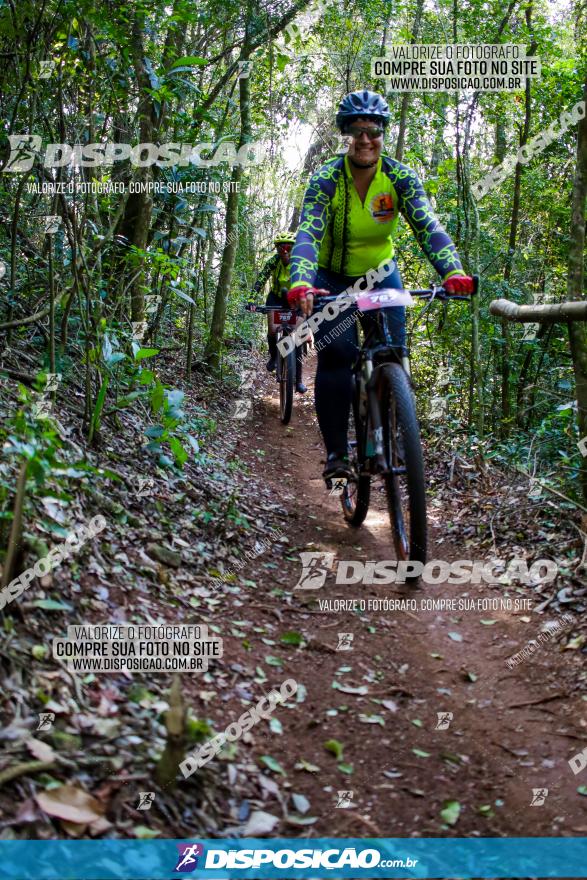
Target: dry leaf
pixel 40 750
pixel 71 804
pixel 73 829
pixel 27 812
pixel 260 824
pixel 54 706
pixel 390 705
pixel 99 826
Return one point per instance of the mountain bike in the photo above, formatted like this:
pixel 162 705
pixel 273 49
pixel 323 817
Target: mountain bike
pixel 285 369
pixel 384 435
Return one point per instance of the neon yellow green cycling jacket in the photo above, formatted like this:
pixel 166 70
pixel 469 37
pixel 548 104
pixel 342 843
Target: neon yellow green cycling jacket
pixel 339 232
pixel 278 273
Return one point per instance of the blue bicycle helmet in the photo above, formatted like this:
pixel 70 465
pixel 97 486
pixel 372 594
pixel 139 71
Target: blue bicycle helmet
pixel 365 105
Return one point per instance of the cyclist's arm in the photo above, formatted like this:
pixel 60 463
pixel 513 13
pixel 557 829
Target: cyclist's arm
pixel 315 217
pixel 429 232
pixel 265 273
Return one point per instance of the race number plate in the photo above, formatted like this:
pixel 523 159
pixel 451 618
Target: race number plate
pixel 384 299
pixel 284 317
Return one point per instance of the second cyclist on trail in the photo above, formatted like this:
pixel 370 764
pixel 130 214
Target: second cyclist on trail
pixel 277 269
pixel 348 224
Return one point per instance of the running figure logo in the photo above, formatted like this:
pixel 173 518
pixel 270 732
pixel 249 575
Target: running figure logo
pixel 52 381
pixel 344 800
pixel 187 860
pixel 338 485
pixel 146 799
pixel 144 486
pixel 46 720
pixel 539 795
pixel 242 409
pixel 315 569
pixel 52 223
pixel 139 328
pixel 444 719
pixel 46 69
pixel 345 641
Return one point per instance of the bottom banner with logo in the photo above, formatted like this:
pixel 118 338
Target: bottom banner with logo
pixel 309 858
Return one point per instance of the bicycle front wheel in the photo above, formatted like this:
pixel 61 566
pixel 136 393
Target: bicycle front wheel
pixel 405 484
pixel 286 385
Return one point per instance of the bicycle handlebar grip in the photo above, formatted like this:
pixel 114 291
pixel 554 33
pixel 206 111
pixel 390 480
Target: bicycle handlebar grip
pixel 475 285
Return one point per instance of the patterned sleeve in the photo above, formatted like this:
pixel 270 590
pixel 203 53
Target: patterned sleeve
pixel 430 234
pixel 316 213
pixel 265 273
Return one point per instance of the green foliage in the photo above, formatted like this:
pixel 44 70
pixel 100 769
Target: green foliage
pixel 160 256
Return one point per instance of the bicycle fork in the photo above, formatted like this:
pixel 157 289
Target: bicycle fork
pixel 279 361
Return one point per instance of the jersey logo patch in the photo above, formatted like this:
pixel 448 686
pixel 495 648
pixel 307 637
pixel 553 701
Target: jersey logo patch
pixel 381 207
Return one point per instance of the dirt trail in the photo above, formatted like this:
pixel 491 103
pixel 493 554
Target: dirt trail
pixel 377 705
pixel 512 730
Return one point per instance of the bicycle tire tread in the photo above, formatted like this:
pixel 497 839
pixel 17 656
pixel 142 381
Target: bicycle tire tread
pixel 395 379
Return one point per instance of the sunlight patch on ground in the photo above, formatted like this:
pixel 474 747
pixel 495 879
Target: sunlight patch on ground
pixel 376 519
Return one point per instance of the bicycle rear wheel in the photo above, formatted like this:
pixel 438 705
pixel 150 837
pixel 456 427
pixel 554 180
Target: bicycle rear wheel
pixel 355 496
pixel 286 375
pixel 405 484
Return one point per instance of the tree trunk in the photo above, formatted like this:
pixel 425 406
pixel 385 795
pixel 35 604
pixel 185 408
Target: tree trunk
pixel 506 415
pixel 470 251
pixel 522 413
pixel 207 267
pixel 403 117
pixel 440 106
pixel 578 329
pixel 214 346
pixel 313 151
pixel 500 141
pixel 136 221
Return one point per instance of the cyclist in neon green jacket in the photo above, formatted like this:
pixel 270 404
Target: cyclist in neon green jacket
pixel 277 269
pixel 348 224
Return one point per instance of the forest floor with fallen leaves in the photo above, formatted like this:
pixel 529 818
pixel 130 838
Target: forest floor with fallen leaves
pixel 359 750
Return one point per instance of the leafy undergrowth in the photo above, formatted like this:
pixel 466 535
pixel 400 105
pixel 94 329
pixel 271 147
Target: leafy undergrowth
pixel 169 533
pixel 508 515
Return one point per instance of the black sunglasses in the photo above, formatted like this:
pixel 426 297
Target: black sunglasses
pixel 356 131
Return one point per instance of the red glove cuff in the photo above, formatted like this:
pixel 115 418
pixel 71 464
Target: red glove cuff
pixel 295 294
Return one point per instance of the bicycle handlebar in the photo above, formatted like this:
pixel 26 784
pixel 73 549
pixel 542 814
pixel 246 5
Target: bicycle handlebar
pixel 264 310
pixel 442 294
pixel 434 292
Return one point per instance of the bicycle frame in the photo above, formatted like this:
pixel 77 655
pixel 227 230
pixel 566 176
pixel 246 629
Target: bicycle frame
pixel 379 349
pixel 366 372
pixel 285 321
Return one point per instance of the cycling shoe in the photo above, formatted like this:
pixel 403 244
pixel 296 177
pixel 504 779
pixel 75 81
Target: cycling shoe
pixel 337 466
